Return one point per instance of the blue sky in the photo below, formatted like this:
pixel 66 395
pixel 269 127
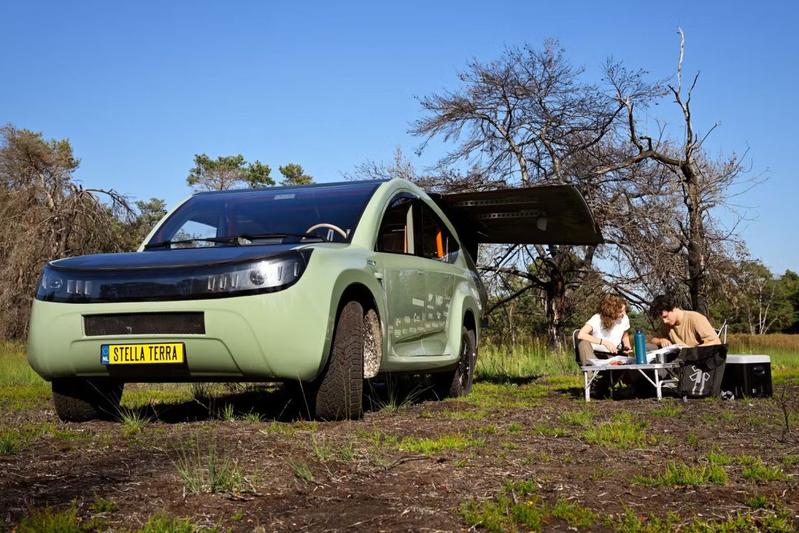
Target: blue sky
pixel 140 87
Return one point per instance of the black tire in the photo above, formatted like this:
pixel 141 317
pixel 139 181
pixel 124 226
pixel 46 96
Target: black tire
pixel 339 392
pixel 80 400
pixel 458 381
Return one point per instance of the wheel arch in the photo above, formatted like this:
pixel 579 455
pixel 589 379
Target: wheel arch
pixel 374 342
pixel 469 321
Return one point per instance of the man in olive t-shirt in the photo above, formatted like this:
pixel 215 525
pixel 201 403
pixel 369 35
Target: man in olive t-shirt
pixel 686 328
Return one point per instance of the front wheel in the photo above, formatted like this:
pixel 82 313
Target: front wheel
pixel 81 400
pixel 458 382
pixel 339 392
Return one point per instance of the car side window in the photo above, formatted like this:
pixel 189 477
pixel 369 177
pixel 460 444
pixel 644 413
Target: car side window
pixel 437 242
pixel 193 229
pixel 396 229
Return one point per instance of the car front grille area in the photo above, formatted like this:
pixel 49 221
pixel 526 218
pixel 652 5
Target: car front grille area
pixel 144 323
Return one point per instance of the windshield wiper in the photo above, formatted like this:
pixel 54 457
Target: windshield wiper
pixel 255 236
pixel 236 239
pixel 167 244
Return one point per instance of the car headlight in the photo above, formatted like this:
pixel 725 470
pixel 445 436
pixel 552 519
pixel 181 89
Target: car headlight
pixel 266 275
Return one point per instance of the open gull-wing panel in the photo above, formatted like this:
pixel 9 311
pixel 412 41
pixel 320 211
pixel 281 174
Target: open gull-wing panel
pixel 548 214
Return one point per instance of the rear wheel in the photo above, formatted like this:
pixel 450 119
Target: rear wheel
pixel 80 400
pixel 339 392
pixel 458 381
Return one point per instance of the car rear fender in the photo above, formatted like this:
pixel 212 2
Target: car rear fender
pixel 466 301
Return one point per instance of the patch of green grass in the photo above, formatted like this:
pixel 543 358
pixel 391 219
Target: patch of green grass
pixel 21 397
pixel 620 432
pixel 15 439
pixel 790 460
pixel 14 367
pixel 748 460
pixel 758 501
pixel 574 514
pixel 11 442
pixel 431 445
pixel 495 396
pixel 779 521
pixel 156 394
pixel 720 459
pixel 667 410
pixel 583 418
pixel 305 425
pixel 321 451
pixel 631 522
pixel 49 520
pixel 252 416
pixel 346 452
pixel 207 471
pixel 681 474
pixel 278 428
pixel 227 413
pixel 514 427
pixel 533 357
pixel 301 471
pixel 518 506
pixel 161 523
pixel 769 521
pixel 546 430
pixel 488 429
pixel 133 421
pixel 488 515
pixel 759 471
pixel 103 505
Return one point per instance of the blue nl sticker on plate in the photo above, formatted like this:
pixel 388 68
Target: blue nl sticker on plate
pixel 104 354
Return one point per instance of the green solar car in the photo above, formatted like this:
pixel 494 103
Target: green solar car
pixel 327 285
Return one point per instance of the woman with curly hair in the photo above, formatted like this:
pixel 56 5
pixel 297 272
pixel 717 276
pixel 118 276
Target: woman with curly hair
pixel 605 334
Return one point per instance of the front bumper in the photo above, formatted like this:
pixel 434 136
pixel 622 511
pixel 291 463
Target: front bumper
pixel 282 335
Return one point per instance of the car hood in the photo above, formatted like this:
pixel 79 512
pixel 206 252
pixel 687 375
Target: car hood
pixel 172 259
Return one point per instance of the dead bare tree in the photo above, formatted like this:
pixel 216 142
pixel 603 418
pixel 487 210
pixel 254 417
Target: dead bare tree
pixel 698 183
pixel 46 215
pixel 528 119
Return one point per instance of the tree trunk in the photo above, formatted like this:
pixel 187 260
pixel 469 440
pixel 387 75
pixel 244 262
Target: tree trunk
pixel 555 292
pixel 696 240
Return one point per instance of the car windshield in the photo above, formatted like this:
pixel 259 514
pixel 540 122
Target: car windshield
pixel 263 216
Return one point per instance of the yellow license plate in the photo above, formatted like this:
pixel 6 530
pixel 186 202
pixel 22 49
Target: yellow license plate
pixel 143 354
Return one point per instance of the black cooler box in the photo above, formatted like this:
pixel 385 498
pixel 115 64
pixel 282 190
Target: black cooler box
pixel 747 375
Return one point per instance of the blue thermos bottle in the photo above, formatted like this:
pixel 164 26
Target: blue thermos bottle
pixel 640 347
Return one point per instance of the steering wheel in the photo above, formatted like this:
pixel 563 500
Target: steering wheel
pixel 333 227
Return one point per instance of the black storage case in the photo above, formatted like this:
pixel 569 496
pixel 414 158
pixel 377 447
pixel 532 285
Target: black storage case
pixel 702 370
pixel 747 376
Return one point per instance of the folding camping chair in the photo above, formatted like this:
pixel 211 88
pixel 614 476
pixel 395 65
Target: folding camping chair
pixel 722 332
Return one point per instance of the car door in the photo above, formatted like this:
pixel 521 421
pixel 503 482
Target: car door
pixel 439 250
pixel 401 272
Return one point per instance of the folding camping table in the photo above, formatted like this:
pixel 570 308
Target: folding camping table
pixel 590 372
